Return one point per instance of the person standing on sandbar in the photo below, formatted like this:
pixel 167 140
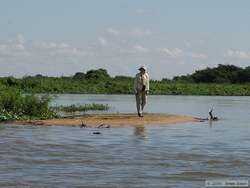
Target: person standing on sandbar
pixel 141 89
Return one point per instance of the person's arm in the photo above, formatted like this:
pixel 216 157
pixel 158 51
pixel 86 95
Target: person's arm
pixel 144 82
pixel 135 84
pixel 147 83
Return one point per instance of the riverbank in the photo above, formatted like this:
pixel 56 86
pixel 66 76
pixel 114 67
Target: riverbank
pixel 113 86
pixel 224 80
pixel 111 120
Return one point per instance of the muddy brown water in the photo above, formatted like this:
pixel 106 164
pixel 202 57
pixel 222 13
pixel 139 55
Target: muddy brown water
pixel 184 155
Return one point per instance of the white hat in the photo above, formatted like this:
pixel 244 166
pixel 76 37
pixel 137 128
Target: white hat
pixel 142 67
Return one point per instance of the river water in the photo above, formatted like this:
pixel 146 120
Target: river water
pixel 181 155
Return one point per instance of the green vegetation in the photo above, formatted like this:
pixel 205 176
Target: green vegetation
pixel 82 108
pixel 173 88
pixel 15 106
pixel 220 74
pixel 221 80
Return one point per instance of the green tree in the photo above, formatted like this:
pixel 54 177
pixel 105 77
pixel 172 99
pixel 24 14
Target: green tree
pixel 97 74
pixel 79 76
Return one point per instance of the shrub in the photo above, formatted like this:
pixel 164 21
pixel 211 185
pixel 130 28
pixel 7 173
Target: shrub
pixel 15 105
pixel 82 108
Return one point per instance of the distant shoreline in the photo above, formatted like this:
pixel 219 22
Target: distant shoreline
pixel 160 88
pixel 224 80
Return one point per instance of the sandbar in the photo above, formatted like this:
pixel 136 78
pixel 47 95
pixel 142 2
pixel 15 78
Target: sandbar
pixel 112 120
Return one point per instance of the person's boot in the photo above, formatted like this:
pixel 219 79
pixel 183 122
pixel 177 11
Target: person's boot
pixel 140 114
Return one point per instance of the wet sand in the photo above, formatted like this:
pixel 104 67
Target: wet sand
pixel 112 120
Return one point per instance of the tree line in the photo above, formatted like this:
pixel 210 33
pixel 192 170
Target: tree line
pixel 221 80
pixel 219 74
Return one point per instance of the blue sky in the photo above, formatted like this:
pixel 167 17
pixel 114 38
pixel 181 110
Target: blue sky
pixel 61 37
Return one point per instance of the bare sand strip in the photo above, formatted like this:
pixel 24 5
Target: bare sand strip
pixel 112 120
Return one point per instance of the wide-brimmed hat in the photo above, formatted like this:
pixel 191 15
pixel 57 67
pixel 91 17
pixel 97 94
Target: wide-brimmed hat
pixel 142 67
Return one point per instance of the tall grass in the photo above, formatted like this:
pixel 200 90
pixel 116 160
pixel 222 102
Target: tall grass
pixel 122 86
pixel 82 108
pixel 14 106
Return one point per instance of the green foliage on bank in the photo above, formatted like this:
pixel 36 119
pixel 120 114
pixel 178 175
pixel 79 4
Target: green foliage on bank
pixel 200 89
pixel 16 106
pixel 82 108
pixel 222 80
pixel 68 85
pixel 219 74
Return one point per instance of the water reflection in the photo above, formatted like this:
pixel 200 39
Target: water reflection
pixel 210 123
pixel 139 132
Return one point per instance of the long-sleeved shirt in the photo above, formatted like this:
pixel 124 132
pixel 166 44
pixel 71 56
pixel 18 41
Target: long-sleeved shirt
pixel 140 81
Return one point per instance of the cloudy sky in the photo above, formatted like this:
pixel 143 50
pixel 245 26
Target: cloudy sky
pixel 61 37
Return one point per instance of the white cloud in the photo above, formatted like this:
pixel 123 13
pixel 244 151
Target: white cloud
pixel 187 44
pixel 140 48
pixel 102 41
pixel 173 53
pixel 180 53
pixel 197 55
pixel 64 45
pixel 44 45
pixel 20 38
pixel 68 52
pixel 19 48
pixel 52 45
pixel 112 31
pixel 238 54
pixel 19 56
pixel 3 46
pixel 139 32
pixel 142 11
pixel 14 48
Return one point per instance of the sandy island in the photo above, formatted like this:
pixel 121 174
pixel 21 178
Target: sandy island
pixel 112 120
